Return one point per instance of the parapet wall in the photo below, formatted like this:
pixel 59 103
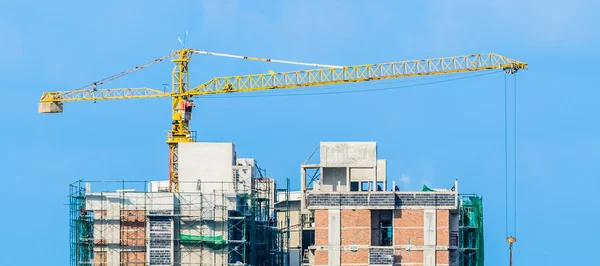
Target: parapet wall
pixel 382 200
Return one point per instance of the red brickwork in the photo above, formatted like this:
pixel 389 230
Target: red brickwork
pixel 356 236
pixel 401 236
pixel 134 235
pixel 100 258
pixel 321 257
pixel 404 256
pixel 408 218
pixel 443 229
pixel 443 218
pixel 355 218
pixel 133 258
pixel 321 218
pixel 321 237
pixel 360 257
pixel 321 227
pixel 443 237
pixel 442 257
pixel 133 216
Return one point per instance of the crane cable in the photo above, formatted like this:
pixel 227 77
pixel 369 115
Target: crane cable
pixel 94 85
pixel 123 73
pixel 510 239
pixel 506 154
pixel 515 158
pixel 264 59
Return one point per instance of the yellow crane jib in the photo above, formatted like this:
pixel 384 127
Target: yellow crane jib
pixel 181 95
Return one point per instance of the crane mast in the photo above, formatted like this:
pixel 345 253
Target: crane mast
pixel 181 94
pixel 181 114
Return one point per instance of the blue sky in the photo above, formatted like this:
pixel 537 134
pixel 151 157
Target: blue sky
pixel 429 134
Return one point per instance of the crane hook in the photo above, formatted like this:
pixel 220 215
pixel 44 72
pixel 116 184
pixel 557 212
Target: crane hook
pixel 510 241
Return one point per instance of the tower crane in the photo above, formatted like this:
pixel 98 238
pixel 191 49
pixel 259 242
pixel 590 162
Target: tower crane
pixel 182 95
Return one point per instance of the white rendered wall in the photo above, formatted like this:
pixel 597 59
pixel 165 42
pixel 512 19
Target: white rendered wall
pixel 348 154
pixel 211 163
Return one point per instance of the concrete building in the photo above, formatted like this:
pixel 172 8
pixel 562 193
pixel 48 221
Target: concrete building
pixel 228 213
pixel 222 214
pixel 353 218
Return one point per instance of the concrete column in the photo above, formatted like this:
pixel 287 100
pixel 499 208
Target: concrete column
pixel 303 188
pixel 347 178
pixel 375 178
pixel 334 228
pixel 456 191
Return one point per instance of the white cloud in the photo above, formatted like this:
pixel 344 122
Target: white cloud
pixel 405 179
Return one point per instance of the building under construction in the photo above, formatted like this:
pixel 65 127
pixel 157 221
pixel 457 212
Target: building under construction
pixel 222 214
pixel 227 212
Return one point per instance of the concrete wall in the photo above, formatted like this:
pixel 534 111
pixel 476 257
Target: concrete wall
pixel 209 162
pixel 382 171
pixel 348 154
pixel 331 177
pixel 244 170
pixel 362 174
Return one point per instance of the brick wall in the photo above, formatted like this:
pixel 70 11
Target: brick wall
pixel 442 257
pixel 133 227
pixel 402 236
pixel 443 228
pixel 355 218
pixel 321 228
pixel 408 224
pixel 356 230
pixel 321 257
pixel 100 258
pixel 321 218
pixel 321 237
pixel 408 218
pixel 414 257
pixel 133 258
pixel 133 235
pixel 356 236
pixel 359 257
pixel 356 227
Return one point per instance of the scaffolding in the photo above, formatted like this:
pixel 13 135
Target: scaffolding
pixel 283 239
pixel 471 231
pixel 81 227
pixel 131 223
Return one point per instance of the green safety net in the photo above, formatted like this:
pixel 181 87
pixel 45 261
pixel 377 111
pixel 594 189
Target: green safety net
pixel 215 242
pixel 471 245
pixel 426 189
